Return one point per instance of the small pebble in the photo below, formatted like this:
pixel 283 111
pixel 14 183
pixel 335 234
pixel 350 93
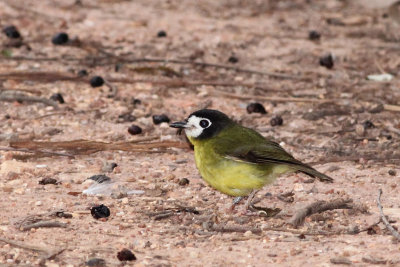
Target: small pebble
pixel 134 129
pixel 58 98
pixel 360 130
pixel 247 234
pixel 233 59
pixel 298 187
pixel 96 262
pixel 47 180
pixel 100 178
pixel 161 34
pixel 96 81
pixel 158 119
pixel 60 38
pixel 109 167
pixel 82 73
pixel 126 117
pixel 326 61
pixel 126 255
pixel 101 211
pixel 183 181
pixel 11 32
pixel 314 35
pixel 276 121
pixel 392 172
pixel 38 203
pixel 255 108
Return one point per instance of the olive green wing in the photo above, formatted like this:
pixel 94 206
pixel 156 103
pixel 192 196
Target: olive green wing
pixel 250 147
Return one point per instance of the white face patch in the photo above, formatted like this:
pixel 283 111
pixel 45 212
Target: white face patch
pixel 195 126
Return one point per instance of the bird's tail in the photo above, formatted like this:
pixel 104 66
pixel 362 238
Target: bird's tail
pixel 314 173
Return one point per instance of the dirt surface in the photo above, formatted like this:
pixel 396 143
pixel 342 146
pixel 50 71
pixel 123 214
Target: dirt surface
pixel 346 125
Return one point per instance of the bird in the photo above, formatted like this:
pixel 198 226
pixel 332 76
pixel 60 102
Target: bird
pixel 236 160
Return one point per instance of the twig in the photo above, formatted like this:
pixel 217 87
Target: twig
pixel 24 246
pixel 87 147
pixel 51 256
pixel 231 229
pixel 37 151
pixel 220 66
pixel 318 207
pixel 394 130
pixel 383 217
pixel 47 224
pixel 272 98
pixel 391 107
pixel 27 98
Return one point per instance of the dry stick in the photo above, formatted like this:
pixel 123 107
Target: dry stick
pixel 301 232
pixel 233 229
pixel 318 207
pixel 220 66
pixel 275 99
pixel 47 224
pixel 394 130
pixel 27 98
pixel 383 217
pixel 88 147
pixel 37 151
pixel 391 107
pixel 24 246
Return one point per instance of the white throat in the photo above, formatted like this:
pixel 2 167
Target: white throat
pixel 193 128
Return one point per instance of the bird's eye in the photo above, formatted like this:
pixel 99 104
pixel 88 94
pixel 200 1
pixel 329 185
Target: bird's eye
pixel 204 123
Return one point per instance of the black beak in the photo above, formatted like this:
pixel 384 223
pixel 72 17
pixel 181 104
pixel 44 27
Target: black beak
pixel 178 124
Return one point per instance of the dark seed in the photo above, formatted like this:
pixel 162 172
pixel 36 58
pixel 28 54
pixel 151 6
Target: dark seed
pixel 302 236
pixel 157 119
pixel 126 117
pixel 136 101
pixel 276 121
pixel 100 178
pixel 96 262
pixel 233 59
pixel 82 73
pixel 58 98
pixel 7 117
pixel 183 181
pixel 162 34
pixel 96 81
pixel 113 165
pixel 392 172
pixel 368 124
pixel 314 35
pixel 134 129
pixel 256 108
pixel 12 32
pixel 60 38
pixel 100 211
pixel 48 181
pixel 126 255
pixel 326 61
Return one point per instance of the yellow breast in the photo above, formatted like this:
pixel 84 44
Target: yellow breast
pixel 231 177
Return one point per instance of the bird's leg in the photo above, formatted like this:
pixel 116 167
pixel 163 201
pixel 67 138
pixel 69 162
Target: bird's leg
pixel 250 199
pixel 235 201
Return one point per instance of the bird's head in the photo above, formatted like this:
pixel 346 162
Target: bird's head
pixel 203 124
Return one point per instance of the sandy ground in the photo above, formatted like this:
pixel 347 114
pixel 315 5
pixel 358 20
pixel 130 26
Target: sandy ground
pixel 173 224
